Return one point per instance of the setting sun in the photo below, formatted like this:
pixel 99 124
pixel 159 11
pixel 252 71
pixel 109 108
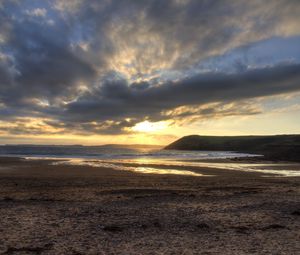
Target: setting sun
pixel 147 126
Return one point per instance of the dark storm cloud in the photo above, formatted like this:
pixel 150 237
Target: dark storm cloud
pixel 42 59
pixel 57 59
pixel 117 99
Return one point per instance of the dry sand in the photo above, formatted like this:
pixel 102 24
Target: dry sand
pixel 56 209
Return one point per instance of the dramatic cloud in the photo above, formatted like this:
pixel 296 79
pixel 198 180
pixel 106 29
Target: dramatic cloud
pixel 117 99
pixel 101 67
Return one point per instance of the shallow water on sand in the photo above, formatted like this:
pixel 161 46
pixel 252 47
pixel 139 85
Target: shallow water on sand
pixel 167 166
pixel 147 159
pixel 139 168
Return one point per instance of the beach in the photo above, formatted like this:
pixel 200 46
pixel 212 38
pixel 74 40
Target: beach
pixel 51 208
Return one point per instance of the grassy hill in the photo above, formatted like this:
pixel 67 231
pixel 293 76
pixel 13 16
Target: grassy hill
pixel 277 147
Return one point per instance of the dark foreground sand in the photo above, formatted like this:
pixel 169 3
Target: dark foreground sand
pixel 47 209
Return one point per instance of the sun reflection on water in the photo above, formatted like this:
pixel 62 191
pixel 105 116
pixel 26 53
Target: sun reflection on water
pixel 120 167
pixel 165 166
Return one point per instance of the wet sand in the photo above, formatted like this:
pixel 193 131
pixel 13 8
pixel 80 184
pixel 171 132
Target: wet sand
pixel 69 209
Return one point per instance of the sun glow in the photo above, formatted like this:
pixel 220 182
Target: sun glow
pixel 147 126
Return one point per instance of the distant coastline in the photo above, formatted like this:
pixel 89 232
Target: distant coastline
pixel 274 147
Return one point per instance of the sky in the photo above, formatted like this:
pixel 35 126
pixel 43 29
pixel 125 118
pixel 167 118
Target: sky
pixel 148 71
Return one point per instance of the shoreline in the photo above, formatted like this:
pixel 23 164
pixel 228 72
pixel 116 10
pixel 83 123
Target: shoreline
pixel 192 167
pixel 69 209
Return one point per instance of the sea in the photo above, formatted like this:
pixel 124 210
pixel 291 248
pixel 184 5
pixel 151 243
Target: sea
pixel 111 152
pixel 145 159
